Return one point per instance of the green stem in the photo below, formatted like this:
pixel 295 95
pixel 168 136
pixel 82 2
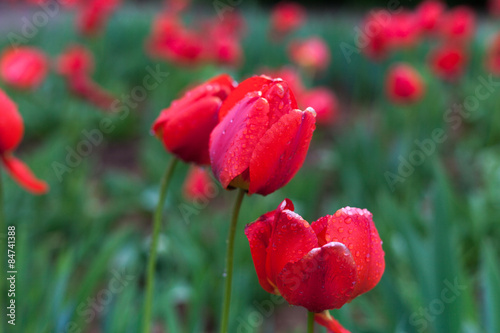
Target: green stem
pixel 310 322
pixel 148 301
pixel 229 262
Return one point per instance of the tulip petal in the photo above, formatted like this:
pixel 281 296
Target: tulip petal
pixel 253 84
pixel 281 152
pixel 280 99
pixel 234 139
pixel 186 134
pixel 259 235
pixel 354 227
pixel 323 279
pixel 333 326
pixel 11 124
pixel 23 175
pixel 291 240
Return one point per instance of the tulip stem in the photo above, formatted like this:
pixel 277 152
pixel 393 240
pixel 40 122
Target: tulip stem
pixel 148 300
pixel 310 322
pixel 229 262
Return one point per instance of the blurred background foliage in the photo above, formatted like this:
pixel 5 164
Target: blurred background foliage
pixel 439 226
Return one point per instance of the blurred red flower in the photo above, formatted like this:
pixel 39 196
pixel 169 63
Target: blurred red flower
pixel 94 14
pixel 319 266
pixel 76 65
pixel 448 61
pixel 429 13
pixel 403 31
pixel 23 67
pixel 172 41
pixel 290 75
pixel 287 17
pixel 185 126
pixel 493 56
pixel 75 60
pixel 262 139
pixel 311 53
pixel 324 102
pixel 404 85
pixel 198 185
pixel 11 134
pixel 374 42
pixel 459 24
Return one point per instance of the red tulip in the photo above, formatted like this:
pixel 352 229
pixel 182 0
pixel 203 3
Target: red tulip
pixel 198 184
pixel 404 85
pixel 94 15
pixel 376 44
pixel 320 266
pixel 76 60
pixel 170 40
pixel 403 30
pixel 287 17
pixel 262 139
pixel 186 125
pixel 11 134
pixel 23 67
pixel 312 53
pixel 429 13
pixel 493 56
pixel 459 24
pixel 324 102
pixel 290 76
pixel 448 62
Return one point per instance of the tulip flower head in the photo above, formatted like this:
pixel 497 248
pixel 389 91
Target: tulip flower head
pixel 377 43
pixel 262 138
pixel 429 14
pixel 404 85
pixel 312 53
pixel 459 24
pixel 94 14
pixel 287 17
pixel 11 134
pixel 403 31
pixel 74 61
pixel 320 266
pixel 198 185
pixel 23 67
pixel 324 102
pixel 186 125
pixel 448 62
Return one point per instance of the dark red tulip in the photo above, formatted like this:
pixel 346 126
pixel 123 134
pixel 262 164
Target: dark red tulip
pixel 493 56
pixel 459 24
pixel 94 14
pixel 429 13
pixel 312 53
pixel 262 139
pixel 198 185
pixel 448 62
pixel 186 125
pixel 75 60
pixel 320 266
pixel 23 67
pixel 324 102
pixel 11 134
pixel 404 85
pixel 287 17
